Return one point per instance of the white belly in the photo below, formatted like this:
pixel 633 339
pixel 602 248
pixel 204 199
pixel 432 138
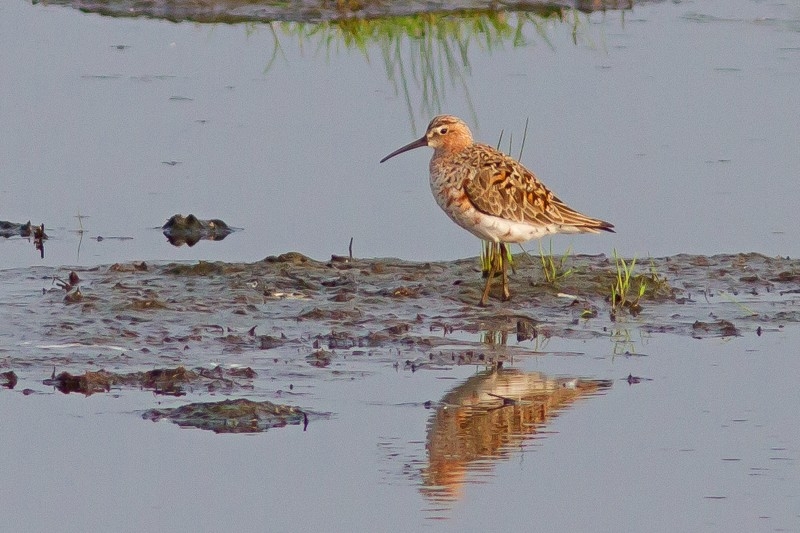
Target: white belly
pixel 496 229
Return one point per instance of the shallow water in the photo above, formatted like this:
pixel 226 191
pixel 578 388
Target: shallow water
pixel 710 444
pixel 676 121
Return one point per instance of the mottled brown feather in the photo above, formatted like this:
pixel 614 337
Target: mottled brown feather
pixel 504 188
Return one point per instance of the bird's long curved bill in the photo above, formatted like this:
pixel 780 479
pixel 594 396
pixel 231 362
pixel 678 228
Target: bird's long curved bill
pixel 410 146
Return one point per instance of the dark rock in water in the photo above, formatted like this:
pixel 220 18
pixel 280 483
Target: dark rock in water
pixel 231 416
pixel 163 381
pixel 720 328
pixel 8 379
pixel 88 384
pixel 13 229
pixel 295 258
pixel 180 230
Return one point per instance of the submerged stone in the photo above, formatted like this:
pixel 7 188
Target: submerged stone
pixel 8 379
pixel 231 416
pixel 189 230
pixel 13 229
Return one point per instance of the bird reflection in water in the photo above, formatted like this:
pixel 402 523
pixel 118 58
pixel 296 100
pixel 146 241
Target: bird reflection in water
pixel 486 417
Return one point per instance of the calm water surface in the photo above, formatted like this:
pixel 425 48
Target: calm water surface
pixel 710 444
pixel 676 121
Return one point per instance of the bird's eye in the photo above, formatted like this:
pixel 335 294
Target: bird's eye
pixel 442 130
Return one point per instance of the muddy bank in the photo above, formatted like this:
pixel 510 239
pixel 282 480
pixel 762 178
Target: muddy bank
pixel 291 305
pixel 232 11
pixel 291 320
pixel 163 381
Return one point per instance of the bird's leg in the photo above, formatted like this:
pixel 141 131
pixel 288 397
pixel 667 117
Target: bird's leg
pixel 492 271
pixel 504 266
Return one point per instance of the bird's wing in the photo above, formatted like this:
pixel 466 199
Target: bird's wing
pixel 502 187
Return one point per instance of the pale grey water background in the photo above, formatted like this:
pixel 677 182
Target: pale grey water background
pixel 711 444
pixel 676 121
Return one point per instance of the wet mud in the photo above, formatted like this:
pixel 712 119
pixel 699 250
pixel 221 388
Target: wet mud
pixel 270 330
pixel 233 11
pixel 166 381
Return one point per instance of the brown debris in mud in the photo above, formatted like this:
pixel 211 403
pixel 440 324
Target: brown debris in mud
pixel 165 381
pixel 8 379
pixel 89 383
pixel 202 268
pixel 72 281
pixel 319 358
pixel 787 277
pixel 74 297
pixel 720 328
pixel 129 267
pixel 295 258
pixel 142 304
pixel 333 315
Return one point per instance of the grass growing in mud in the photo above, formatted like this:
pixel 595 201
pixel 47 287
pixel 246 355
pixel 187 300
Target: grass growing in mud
pixel 622 294
pixel 555 270
pixel 628 288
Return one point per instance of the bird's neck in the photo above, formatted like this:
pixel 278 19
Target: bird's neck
pixel 451 149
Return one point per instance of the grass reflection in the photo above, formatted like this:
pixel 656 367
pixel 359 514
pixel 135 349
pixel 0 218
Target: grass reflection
pixel 425 55
pixel 425 48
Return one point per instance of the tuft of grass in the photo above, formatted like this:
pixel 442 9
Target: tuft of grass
pixel 622 294
pixel 555 270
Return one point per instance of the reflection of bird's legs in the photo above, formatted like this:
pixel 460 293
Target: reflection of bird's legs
pixel 504 263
